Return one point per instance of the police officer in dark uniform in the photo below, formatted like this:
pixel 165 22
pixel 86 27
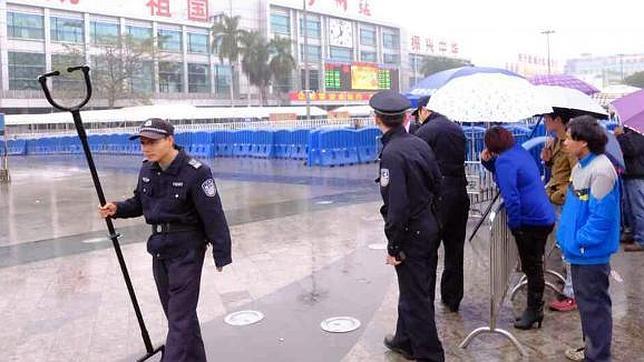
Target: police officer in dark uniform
pixel 447 139
pixel 409 185
pixel 177 195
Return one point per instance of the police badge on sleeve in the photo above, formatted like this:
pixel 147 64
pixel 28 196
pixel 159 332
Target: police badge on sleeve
pixel 384 177
pixel 209 187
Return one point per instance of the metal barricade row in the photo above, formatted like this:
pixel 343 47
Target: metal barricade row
pixel 504 257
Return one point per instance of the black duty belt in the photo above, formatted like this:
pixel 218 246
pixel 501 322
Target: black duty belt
pixel 168 228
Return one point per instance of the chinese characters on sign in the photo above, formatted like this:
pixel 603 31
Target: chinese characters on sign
pixel 362 7
pixel 426 46
pixel 159 8
pixel 331 96
pixel 198 10
pixel 73 2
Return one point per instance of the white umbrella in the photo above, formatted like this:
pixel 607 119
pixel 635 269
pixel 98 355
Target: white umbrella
pixel 489 97
pixel 571 100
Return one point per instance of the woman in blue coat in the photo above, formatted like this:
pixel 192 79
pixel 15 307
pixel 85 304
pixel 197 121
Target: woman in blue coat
pixel 530 215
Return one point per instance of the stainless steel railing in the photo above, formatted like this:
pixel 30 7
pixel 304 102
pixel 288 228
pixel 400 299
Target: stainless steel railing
pixel 504 258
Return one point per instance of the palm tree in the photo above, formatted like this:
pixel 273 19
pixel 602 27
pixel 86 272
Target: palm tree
pixel 226 37
pixel 255 62
pixel 282 63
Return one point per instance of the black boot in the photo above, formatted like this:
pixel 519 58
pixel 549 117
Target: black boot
pixel 532 315
pixel 405 351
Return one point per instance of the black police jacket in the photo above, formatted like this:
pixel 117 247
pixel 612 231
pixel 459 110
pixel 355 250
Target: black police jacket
pixel 410 182
pixel 184 195
pixel 632 145
pixel 448 141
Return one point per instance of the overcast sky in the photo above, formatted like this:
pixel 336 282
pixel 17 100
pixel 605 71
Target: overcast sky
pixel 493 32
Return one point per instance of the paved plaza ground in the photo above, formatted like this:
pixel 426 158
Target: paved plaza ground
pixel 300 238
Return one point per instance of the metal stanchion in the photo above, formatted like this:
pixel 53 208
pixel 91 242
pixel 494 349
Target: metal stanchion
pixel 503 259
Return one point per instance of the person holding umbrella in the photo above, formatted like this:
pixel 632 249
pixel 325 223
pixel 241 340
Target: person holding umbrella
pixel 447 139
pixel 531 217
pixel 178 197
pixel 560 164
pixel 632 145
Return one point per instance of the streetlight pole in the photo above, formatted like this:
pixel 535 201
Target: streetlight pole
pixel 307 85
pixel 547 33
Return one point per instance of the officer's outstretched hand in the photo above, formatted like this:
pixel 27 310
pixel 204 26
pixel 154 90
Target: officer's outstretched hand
pixel 108 210
pixel 391 260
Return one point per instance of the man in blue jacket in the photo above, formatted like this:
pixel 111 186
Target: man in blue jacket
pixel 589 234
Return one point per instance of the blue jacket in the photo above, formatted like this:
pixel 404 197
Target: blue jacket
pixel 589 228
pixel 523 192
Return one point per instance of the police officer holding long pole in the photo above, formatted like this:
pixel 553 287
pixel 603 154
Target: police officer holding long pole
pixel 409 185
pixel 178 197
pixel 448 140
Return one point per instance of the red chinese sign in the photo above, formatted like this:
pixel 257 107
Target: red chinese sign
pixel 364 8
pixel 330 96
pixel 415 43
pixel 159 8
pixel 198 10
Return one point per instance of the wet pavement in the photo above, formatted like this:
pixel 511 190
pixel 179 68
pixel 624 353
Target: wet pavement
pixel 300 249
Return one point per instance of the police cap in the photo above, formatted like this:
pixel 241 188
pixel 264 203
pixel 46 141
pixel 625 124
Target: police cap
pixel 155 128
pixel 389 103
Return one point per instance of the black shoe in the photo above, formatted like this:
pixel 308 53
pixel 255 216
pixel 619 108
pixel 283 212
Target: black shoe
pixel 530 316
pixel 452 307
pixel 389 343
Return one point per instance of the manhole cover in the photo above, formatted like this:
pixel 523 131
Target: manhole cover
pixel 378 246
pixel 340 324
pixel 244 318
pixel 324 202
pixel 95 240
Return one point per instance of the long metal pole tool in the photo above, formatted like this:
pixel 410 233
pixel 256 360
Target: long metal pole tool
pixel 75 111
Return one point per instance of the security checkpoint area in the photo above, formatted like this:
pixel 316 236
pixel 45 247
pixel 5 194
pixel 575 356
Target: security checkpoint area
pixel 288 180
pixel 297 263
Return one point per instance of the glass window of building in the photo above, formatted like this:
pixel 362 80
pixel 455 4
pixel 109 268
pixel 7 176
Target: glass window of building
pixel 138 33
pixel 143 79
pixel 169 40
pixel 198 43
pixel 313 28
pixel 103 33
pixel 341 54
pixel 314 79
pixel 24 68
pixel 314 53
pixel 367 35
pixel 71 83
pixel 170 77
pixel 25 26
pixel 391 59
pixel 223 79
pixel 369 57
pixel 280 22
pixel 198 78
pixel 390 39
pixel 67 30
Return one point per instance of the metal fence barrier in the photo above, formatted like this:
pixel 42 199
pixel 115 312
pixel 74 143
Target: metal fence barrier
pixel 503 259
pixel 480 183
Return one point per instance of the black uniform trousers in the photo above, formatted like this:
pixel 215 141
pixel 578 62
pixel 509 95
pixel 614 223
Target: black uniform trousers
pixel 454 211
pixel 416 327
pixel 531 243
pixel 178 279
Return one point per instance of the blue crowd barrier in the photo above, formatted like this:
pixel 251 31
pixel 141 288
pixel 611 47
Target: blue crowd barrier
pixel 16 147
pixel 368 139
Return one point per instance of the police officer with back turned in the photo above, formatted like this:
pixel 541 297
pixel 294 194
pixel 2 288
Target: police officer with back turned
pixel 409 184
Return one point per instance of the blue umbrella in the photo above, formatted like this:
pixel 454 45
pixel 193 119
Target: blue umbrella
pixel 429 85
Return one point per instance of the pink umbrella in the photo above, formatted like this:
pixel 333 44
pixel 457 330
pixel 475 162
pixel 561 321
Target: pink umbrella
pixel 630 109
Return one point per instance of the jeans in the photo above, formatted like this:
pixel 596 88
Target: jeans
pixel 595 309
